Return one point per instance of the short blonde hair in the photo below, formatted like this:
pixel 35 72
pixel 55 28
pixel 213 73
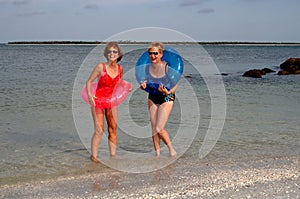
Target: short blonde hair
pixel 158 45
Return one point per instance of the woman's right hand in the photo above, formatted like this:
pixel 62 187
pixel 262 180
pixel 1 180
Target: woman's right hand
pixel 92 100
pixel 143 85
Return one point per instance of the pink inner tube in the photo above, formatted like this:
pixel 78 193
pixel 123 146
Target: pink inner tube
pixel 120 93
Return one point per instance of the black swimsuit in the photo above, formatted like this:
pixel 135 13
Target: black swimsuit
pixel 154 95
pixel 161 98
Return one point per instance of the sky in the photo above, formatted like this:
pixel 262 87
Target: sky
pixel 202 20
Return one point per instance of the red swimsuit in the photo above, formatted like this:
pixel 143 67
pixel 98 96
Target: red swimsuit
pixel 105 88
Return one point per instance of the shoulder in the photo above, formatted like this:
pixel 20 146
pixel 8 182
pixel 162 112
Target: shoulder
pixel 120 67
pixel 166 66
pixel 100 67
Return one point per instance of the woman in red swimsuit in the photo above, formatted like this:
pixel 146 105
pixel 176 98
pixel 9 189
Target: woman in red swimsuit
pixel 108 74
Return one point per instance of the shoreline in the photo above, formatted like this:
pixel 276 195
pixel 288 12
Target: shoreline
pixel 265 177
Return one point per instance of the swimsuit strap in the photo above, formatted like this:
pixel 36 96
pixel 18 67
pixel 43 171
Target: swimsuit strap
pixel 119 69
pixel 104 67
pixel 166 68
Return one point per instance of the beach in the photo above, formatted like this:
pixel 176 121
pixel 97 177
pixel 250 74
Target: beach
pixel 259 178
pixel 46 127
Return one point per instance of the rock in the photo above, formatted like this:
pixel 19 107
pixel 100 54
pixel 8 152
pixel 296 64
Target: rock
pixel 256 73
pixel 268 70
pixel 291 66
pixel 283 72
pixel 224 74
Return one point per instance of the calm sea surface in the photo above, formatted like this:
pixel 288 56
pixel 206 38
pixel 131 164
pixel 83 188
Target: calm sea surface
pixel 39 137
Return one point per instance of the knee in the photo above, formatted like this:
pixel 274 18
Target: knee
pixel 98 132
pixel 112 128
pixel 112 137
pixel 158 130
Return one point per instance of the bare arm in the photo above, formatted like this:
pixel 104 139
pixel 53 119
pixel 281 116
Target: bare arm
pixel 165 91
pixel 173 89
pixel 96 73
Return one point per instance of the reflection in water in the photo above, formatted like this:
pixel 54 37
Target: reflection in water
pixel 121 180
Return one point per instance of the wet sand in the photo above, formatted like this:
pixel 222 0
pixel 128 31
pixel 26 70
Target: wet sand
pixel 268 177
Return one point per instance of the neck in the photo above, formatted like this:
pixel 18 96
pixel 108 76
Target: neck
pixel 158 64
pixel 111 64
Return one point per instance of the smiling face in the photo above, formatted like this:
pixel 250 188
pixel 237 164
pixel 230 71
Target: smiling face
pixel 155 55
pixel 112 54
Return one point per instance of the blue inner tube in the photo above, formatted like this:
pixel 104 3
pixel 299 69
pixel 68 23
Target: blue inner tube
pixel 174 72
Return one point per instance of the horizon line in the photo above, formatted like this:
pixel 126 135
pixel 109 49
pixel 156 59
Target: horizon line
pixel 147 42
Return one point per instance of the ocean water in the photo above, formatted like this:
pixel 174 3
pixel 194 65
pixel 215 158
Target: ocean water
pixel 41 137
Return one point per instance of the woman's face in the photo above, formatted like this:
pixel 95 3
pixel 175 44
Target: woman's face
pixel 112 54
pixel 154 55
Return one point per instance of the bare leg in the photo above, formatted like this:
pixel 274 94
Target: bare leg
pixel 98 118
pixel 155 136
pixel 156 143
pixel 163 113
pixel 112 119
pixel 159 115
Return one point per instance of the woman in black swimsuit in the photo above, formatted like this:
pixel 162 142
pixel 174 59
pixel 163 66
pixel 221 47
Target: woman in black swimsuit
pixel 160 99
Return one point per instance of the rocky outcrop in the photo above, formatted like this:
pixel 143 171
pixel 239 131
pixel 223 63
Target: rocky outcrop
pixel 267 70
pixel 290 66
pixel 257 73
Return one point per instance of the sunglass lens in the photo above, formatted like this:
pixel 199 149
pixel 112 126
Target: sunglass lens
pixel 112 51
pixel 153 53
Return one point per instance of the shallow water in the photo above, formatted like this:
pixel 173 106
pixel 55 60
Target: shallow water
pixel 39 137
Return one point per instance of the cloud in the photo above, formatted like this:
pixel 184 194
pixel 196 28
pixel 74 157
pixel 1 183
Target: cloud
pixel 20 2
pixel 191 2
pixel 14 2
pixel 30 14
pixel 118 2
pixel 2 2
pixel 206 10
pixel 91 6
pixel 96 4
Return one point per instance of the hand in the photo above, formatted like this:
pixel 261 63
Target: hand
pixel 92 100
pixel 163 89
pixel 143 85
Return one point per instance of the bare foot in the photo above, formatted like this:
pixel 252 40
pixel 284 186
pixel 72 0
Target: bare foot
pixel 95 160
pixel 173 153
pixel 157 153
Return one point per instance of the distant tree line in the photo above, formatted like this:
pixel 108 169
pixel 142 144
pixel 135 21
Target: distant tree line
pixel 147 42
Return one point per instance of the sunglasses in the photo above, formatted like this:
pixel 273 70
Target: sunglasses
pixel 112 51
pixel 153 53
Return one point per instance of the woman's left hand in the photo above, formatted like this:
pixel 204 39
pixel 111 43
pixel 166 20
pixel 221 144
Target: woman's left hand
pixel 163 89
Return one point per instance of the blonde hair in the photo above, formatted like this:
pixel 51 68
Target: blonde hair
pixel 158 45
